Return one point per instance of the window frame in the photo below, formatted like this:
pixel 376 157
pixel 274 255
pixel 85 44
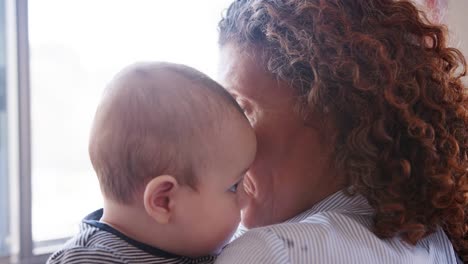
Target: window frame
pixel 22 248
pixel 4 180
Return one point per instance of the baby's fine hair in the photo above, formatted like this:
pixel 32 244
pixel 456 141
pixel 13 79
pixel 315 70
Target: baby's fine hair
pixel 155 118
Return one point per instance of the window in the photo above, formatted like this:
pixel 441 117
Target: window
pixel 75 48
pixel 59 56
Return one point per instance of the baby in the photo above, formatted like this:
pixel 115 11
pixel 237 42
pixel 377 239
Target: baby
pixel 170 147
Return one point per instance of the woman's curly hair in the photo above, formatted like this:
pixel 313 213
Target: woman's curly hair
pixel 392 87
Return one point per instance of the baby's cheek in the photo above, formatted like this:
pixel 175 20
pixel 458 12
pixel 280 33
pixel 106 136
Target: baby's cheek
pixel 232 220
pixel 221 237
pixel 230 228
pixel 235 220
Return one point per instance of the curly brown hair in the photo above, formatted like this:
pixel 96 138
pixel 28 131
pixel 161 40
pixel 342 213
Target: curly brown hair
pixel 392 87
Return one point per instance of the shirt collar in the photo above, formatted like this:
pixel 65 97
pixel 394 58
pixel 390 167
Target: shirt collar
pixel 341 201
pixel 93 220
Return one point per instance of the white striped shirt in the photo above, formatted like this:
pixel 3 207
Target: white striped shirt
pixel 336 230
pixel 100 243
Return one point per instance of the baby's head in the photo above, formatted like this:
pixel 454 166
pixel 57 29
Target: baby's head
pixel 170 141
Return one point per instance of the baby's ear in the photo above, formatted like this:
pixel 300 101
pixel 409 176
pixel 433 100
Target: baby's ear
pixel 159 198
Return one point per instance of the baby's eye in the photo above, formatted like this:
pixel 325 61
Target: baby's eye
pixel 234 187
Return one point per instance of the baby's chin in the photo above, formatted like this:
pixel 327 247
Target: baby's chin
pixel 220 248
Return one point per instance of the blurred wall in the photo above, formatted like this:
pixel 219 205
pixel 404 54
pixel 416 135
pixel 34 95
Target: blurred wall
pixel 457 21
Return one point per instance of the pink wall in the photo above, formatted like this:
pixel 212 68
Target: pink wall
pixel 457 21
pixel 453 13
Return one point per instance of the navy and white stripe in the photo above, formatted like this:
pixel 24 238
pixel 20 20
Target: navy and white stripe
pixel 100 243
pixel 336 230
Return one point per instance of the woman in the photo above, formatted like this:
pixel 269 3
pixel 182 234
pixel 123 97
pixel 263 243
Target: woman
pixel 362 126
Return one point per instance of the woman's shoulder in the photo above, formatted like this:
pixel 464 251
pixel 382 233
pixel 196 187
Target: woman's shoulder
pixel 327 228
pixel 290 242
pixel 337 237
